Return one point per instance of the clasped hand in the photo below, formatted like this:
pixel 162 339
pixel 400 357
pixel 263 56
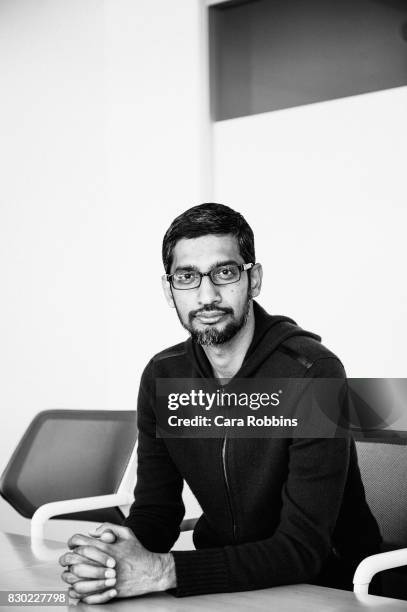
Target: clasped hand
pixel 111 562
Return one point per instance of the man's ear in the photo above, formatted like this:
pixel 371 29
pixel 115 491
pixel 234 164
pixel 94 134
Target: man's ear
pixel 167 292
pixel 256 277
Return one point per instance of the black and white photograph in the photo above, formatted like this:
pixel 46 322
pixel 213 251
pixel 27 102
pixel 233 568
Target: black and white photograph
pixel 203 305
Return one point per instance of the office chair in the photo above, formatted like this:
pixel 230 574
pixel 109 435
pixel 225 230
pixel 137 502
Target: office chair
pixel 382 457
pixel 76 464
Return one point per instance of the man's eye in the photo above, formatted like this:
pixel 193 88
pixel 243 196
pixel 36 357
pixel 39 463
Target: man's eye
pixel 184 276
pixel 225 271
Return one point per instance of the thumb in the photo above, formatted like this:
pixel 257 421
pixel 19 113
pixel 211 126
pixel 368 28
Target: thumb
pixel 108 537
pixel 109 532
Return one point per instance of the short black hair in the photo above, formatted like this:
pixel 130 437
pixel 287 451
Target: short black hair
pixel 209 218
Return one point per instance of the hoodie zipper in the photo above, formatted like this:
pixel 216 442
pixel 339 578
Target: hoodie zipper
pixel 225 474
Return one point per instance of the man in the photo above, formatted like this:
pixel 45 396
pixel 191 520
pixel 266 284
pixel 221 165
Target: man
pixel 275 511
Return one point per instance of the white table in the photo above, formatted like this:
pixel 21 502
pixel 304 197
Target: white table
pixel 22 570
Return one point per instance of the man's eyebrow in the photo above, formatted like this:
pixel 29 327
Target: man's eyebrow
pixel 190 267
pixel 186 267
pixel 227 262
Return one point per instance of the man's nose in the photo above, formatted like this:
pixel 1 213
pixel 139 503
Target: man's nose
pixel 208 292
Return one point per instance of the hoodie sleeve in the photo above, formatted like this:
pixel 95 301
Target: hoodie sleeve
pixel 301 544
pixel 158 509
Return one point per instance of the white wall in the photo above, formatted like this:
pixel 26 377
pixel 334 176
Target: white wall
pixel 155 171
pixel 323 186
pixel 52 205
pixel 100 116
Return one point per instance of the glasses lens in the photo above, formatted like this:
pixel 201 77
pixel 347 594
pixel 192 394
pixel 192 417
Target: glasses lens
pixel 185 279
pixel 225 274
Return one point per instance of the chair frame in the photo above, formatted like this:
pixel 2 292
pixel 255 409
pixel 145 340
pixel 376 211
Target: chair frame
pixel 372 565
pixel 123 497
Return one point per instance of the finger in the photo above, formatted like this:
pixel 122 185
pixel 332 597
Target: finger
pixel 100 529
pixel 72 558
pixel 104 533
pixel 100 597
pixel 73 594
pixel 69 577
pixel 94 554
pixel 79 539
pixel 118 530
pixel 108 536
pixel 88 587
pixel 83 570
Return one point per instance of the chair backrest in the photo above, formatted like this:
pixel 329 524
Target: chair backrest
pixel 382 457
pixel 68 454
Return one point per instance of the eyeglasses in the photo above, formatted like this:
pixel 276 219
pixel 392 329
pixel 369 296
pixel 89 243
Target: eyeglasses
pixel 220 275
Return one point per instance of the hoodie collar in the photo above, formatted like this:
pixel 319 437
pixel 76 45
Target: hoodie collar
pixel 269 332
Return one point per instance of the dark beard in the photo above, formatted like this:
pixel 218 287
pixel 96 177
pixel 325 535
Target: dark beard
pixel 210 337
pixel 213 336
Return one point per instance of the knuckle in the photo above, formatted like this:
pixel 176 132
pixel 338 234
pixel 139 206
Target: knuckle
pixel 70 578
pixel 74 540
pixel 62 560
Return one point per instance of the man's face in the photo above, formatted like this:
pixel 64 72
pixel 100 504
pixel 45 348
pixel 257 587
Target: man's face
pixel 212 314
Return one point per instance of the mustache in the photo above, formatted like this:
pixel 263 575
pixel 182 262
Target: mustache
pixel 209 308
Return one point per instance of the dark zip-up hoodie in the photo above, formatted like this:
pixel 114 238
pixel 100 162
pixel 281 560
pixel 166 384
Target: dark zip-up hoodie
pixel 275 511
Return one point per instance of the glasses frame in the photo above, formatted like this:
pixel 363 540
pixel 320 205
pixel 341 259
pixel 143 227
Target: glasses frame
pixel 241 268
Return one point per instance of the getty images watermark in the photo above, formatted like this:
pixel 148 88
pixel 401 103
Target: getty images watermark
pixel 279 408
pixel 224 399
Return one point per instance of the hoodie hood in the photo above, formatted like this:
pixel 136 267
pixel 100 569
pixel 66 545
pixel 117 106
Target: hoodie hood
pixel 270 332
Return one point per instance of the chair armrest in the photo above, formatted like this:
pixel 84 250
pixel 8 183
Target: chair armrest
pixel 374 564
pixel 69 506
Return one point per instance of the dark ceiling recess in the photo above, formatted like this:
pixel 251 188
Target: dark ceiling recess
pixel 267 55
